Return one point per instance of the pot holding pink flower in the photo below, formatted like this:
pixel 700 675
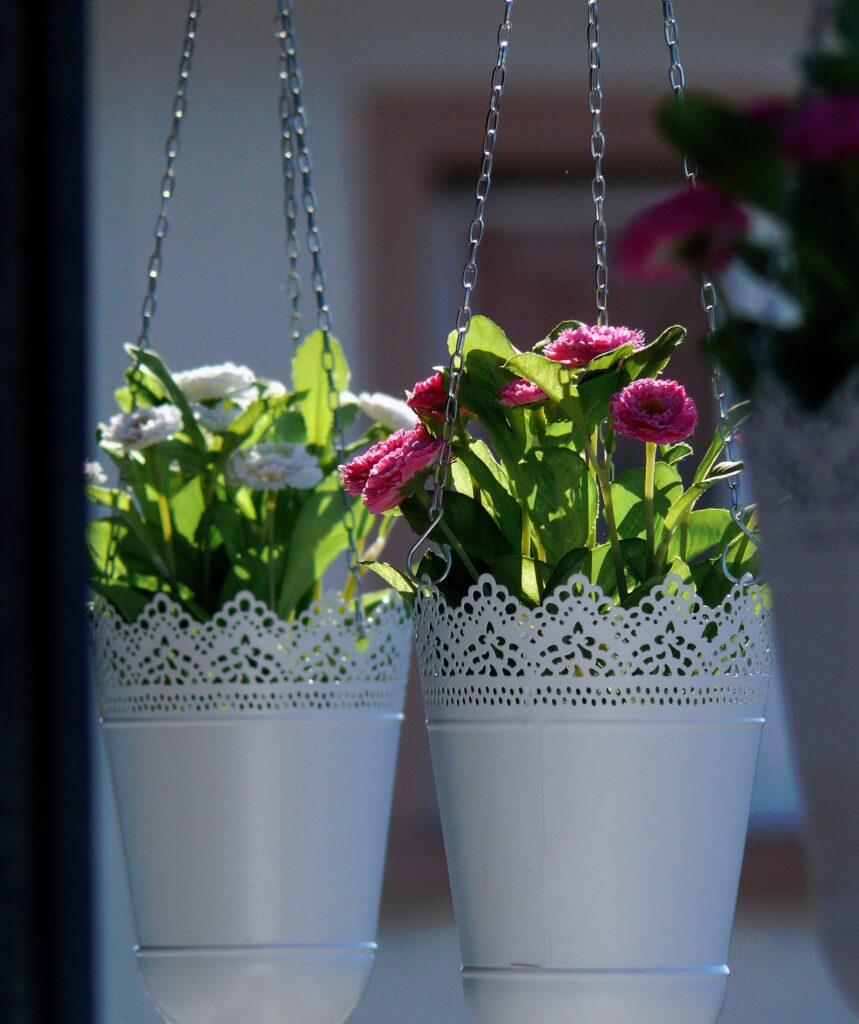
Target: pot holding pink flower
pixel 594 685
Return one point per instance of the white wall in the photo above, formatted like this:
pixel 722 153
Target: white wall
pixel 222 294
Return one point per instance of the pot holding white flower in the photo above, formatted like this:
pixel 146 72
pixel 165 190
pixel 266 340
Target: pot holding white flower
pixel 251 721
pixel 594 683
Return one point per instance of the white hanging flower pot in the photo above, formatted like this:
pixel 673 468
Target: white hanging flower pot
pixel 805 466
pixel 594 769
pixel 252 762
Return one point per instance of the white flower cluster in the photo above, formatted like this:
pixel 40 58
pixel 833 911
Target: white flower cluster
pixel 391 413
pixel 216 419
pixel 224 381
pixel 273 466
pixel 134 431
pixel 94 474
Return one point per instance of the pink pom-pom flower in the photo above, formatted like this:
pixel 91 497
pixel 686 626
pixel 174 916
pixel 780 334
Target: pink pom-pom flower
pixel 827 128
pixel 577 346
pixel 521 392
pixel 698 226
pixel 658 411
pixel 391 475
pixel 428 396
pixel 355 474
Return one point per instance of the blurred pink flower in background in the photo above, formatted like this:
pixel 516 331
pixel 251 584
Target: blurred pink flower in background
pixel 388 478
pixel 826 128
pixel 769 111
pixel 521 392
pixel 577 346
pixel 697 226
pixel 659 411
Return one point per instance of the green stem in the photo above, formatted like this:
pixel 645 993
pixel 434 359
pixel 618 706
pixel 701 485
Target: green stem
pixel 163 511
pixel 604 484
pixel 540 425
pixel 649 475
pixel 270 516
pixel 526 530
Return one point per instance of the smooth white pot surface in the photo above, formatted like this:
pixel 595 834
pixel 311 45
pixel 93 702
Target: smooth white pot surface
pixel 808 490
pixel 254 804
pixel 594 824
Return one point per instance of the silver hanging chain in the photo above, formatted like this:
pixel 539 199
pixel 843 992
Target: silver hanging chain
pixel 291 94
pixel 168 184
pixel 709 302
pixel 469 282
pixel 289 160
pixel 595 100
pixel 168 180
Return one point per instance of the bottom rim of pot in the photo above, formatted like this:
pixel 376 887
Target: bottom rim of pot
pixel 525 994
pixel 294 984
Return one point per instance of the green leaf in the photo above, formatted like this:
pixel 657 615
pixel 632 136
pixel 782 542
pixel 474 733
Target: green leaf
pixel 562 499
pixel 308 375
pixel 393 577
pixel 833 72
pixel 747 165
pixel 553 377
pixel 468 521
pixel 706 528
pixel 671 454
pixel 628 498
pixel 231 525
pixel 461 478
pixel 186 507
pixel 483 336
pixel 127 601
pixel 526 578
pixel 493 486
pixel 573 562
pixel 320 515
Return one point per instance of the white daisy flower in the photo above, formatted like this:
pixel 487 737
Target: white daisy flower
pixel 272 388
pixel 142 428
pixel 273 466
pixel 754 298
pixel 391 413
pixel 217 419
pixel 206 382
pixel 94 474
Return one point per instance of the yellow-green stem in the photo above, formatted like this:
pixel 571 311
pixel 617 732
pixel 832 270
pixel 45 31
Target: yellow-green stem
pixel 164 515
pixel 649 475
pixel 270 516
pixel 604 485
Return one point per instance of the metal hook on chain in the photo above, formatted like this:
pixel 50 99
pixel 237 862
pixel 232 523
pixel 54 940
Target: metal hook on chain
pixel 469 281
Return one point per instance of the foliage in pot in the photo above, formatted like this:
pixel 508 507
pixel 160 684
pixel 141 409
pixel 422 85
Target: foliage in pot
pixel 227 483
pixel 775 222
pixel 533 500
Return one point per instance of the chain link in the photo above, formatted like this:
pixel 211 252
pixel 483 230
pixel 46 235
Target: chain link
pixel 290 201
pixel 292 108
pixel 168 179
pixel 709 298
pixel 469 281
pixel 153 268
pixel 595 101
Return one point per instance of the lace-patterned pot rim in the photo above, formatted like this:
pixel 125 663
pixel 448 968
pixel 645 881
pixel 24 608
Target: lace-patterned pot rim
pixel 246 661
pixel 578 654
